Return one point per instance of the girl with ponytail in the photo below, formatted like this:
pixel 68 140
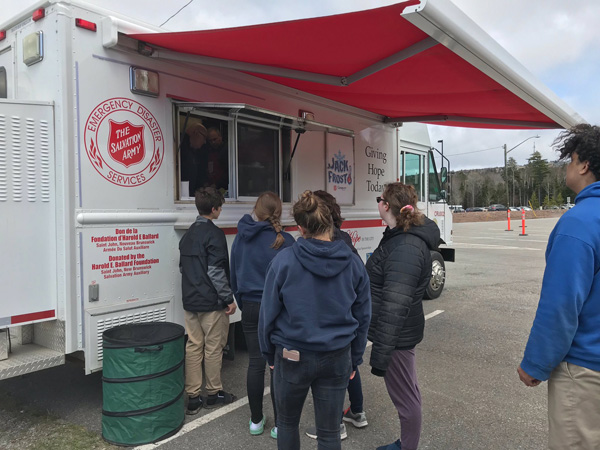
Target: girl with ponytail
pixel 314 317
pixel 256 244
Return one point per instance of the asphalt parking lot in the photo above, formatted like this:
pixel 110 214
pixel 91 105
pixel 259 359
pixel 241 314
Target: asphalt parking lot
pixel 472 396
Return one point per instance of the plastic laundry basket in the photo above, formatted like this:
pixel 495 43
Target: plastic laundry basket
pixel 142 383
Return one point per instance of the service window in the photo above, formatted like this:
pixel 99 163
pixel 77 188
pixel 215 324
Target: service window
pixel 203 152
pixel 243 150
pixel 239 150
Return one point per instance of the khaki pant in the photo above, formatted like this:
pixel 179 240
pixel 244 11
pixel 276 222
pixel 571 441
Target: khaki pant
pixel 207 336
pixel 574 408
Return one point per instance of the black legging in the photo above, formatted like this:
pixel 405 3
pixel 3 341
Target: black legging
pixel 255 379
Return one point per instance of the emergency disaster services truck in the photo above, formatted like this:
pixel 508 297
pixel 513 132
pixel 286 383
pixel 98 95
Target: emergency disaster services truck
pixel 94 108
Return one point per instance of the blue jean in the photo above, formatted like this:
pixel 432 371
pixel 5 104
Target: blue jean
pixel 255 378
pixel 327 375
pixel 355 394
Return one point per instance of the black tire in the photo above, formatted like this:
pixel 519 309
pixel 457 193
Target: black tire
pixel 438 277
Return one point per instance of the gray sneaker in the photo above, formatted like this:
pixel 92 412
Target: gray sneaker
pixel 359 420
pixel 312 432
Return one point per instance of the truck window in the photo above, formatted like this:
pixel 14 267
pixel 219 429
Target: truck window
pixel 204 154
pixel 413 172
pixel 240 151
pixel 3 83
pixel 258 160
pixel 434 181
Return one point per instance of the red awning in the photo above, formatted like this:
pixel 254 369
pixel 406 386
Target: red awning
pixel 421 80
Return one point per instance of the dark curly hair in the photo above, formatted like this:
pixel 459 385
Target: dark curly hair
pixel 583 139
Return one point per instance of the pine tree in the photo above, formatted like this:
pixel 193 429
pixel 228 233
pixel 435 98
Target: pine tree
pixel 559 200
pixel 535 203
pixel 546 202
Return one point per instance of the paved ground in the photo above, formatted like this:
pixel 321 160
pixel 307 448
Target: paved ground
pixel 467 369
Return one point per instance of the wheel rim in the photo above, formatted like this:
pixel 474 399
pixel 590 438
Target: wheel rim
pixel 438 275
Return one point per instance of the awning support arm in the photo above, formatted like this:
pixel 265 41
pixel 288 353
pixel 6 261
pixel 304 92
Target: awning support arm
pixel 162 53
pixel 446 118
pixel 406 53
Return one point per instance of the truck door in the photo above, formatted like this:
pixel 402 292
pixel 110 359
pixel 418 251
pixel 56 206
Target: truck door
pixel 28 278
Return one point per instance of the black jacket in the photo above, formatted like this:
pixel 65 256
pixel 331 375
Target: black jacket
pixel 204 266
pixel 339 235
pixel 399 270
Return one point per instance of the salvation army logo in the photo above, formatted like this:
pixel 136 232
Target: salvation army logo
pixel 124 142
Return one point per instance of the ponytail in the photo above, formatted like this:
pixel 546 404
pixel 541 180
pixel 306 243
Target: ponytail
pixel 268 208
pixel 276 224
pixel 402 199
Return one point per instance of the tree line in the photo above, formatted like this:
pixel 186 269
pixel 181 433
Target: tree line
pixel 537 183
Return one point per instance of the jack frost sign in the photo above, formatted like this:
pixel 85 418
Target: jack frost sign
pixel 124 142
pixel 339 168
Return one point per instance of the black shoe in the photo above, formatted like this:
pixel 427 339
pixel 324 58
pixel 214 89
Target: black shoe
pixel 220 398
pixel 194 405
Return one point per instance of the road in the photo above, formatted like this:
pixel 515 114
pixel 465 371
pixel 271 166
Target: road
pixel 472 397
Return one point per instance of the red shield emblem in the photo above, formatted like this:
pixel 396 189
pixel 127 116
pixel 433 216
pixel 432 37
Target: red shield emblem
pixel 126 142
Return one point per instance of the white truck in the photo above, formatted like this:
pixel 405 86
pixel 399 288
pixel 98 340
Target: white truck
pixel 92 122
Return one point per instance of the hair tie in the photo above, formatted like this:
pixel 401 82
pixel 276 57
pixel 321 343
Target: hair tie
pixel 408 208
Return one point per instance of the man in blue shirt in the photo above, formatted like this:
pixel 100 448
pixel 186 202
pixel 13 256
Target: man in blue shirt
pixel 564 343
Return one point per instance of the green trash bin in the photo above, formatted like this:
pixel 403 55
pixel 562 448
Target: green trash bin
pixel 142 383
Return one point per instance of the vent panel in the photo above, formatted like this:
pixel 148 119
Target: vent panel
pixel 152 315
pixel 17 165
pixel 45 161
pixel 3 159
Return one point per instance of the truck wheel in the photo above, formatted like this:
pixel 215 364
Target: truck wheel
pixel 438 277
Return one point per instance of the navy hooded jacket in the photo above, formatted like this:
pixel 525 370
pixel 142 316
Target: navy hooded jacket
pixel 316 298
pixel 251 253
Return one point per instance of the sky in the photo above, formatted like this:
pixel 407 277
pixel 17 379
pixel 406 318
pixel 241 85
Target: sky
pixel 557 40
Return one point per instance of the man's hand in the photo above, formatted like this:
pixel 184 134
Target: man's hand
pixel 230 309
pixel 527 379
pixel 352 374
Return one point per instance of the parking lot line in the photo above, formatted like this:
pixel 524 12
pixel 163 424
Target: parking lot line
pixel 493 247
pixel 203 420
pixel 434 313
pixel 494 238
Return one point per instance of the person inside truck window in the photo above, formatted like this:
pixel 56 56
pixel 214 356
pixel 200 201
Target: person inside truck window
pixel 194 159
pixel 216 150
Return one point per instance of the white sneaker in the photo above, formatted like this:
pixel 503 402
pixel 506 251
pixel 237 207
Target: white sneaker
pixel 312 432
